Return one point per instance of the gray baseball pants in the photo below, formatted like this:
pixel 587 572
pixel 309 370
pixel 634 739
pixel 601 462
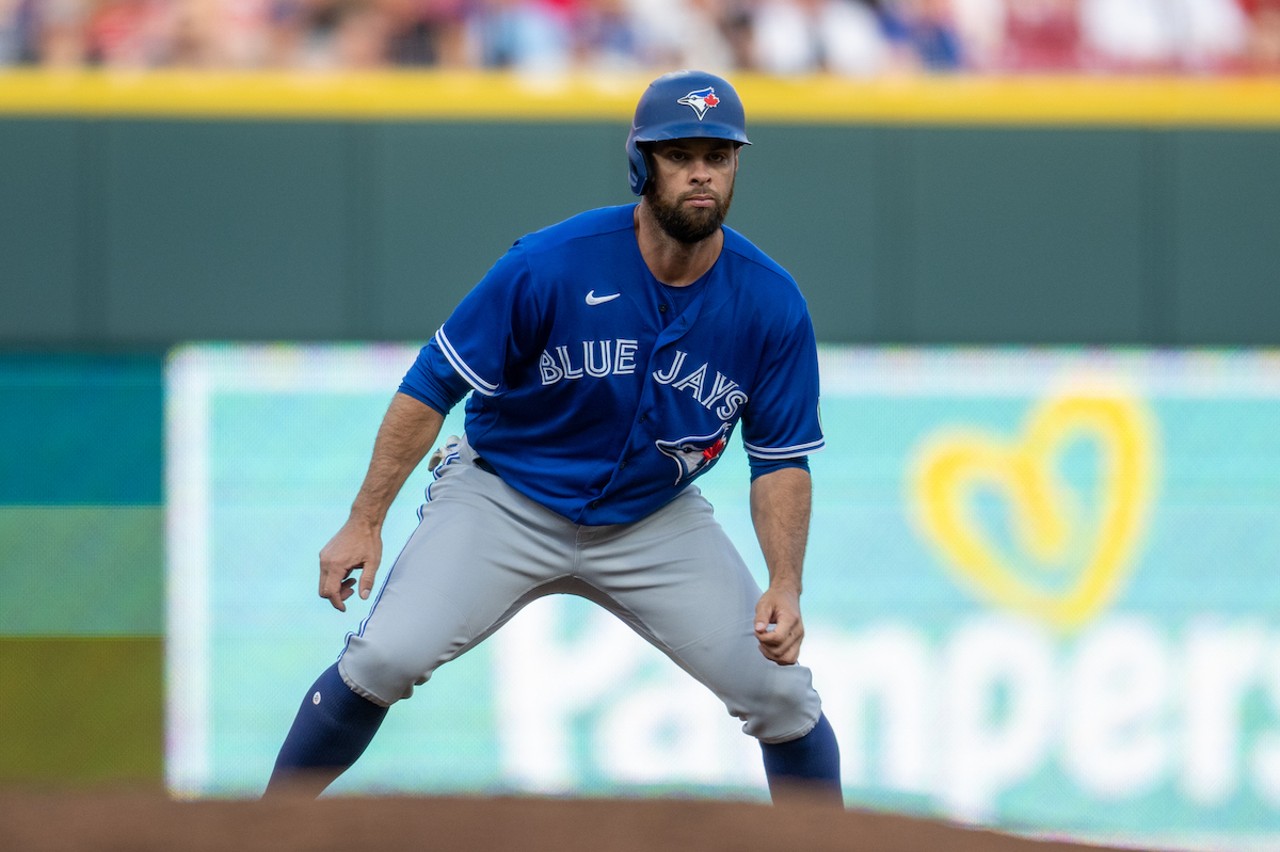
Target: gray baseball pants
pixel 483 551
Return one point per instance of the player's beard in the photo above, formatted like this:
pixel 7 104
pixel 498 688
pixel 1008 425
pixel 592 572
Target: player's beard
pixel 690 225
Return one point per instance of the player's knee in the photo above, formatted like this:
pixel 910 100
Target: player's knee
pixel 379 674
pixel 786 709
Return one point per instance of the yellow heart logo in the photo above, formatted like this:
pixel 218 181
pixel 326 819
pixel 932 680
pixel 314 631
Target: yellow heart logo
pixel 1078 553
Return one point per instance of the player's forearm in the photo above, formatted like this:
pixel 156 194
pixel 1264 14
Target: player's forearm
pixel 408 430
pixel 780 509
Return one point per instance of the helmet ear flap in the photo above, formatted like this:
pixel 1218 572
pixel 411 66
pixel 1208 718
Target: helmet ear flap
pixel 639 167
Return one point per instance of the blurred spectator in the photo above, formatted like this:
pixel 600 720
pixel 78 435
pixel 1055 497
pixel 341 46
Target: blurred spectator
pixel 17 32
pixel 927 30
pixel 1042 36
pixel 362 37
pixel 285 32
pixel 339 34
pixel 59 32
pixel 10 32
pixel 524 36
pixel 714 35
pixel 980 26
pixel 806 36
pixel 1262 53
pixel 605 36
pixel 428 32
pixel 1165 35
pixel 225 33
pixel 131 33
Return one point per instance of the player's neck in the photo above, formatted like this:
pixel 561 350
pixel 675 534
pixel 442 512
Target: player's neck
pixel 670 261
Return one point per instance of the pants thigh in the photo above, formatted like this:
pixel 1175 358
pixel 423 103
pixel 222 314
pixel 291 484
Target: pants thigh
pixel 677 579
pixel 479 554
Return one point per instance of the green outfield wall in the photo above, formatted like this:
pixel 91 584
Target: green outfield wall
pixel 361 209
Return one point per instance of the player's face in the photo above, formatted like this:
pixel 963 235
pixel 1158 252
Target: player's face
pixel 692 186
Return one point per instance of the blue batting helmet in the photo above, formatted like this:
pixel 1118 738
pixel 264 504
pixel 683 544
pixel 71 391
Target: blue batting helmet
pixel 683 105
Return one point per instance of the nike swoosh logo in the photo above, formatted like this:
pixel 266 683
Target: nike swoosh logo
pixel 593 299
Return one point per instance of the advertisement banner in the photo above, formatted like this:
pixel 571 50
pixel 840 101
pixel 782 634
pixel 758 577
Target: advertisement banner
pixel 1039 595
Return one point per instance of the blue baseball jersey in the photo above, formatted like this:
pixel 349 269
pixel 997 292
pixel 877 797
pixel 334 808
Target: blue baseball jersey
pixel 602 393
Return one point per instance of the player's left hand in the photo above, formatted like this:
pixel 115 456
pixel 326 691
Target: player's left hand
pixel 779 628
pixel 355 547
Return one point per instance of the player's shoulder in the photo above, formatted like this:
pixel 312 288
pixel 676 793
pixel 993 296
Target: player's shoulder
pixel 602 221
pixel 754 265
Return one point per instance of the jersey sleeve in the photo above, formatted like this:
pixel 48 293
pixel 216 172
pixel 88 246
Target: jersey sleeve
pixel 781 420
pixel 481 335
pixel 433 381
pixel 759 467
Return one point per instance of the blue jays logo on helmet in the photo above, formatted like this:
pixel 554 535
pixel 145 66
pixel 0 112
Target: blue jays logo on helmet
pixel 694 454
pixel 701 101
pixel 683 105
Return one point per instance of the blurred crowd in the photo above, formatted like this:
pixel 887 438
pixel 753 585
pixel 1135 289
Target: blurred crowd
pixel 857 38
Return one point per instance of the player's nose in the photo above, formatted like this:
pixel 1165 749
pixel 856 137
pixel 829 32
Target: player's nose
pixel 701 170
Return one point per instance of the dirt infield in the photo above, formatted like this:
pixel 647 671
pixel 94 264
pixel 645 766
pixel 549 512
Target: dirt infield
pixel 138 822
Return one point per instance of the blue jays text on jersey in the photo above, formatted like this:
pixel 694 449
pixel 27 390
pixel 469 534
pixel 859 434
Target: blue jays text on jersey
pixel 600 392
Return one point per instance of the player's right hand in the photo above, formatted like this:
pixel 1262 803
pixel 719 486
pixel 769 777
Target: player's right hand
pixel 356 547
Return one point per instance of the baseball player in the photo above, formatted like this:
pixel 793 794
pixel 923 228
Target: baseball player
pixel 609 359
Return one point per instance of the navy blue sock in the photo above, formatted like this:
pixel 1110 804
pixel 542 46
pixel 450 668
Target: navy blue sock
pixel 332 729
pixel 807 768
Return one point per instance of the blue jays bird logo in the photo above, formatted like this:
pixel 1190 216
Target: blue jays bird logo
pixel 700 101
pixel 694 454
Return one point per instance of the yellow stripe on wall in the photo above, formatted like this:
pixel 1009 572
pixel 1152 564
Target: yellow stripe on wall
pixel 1228 102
